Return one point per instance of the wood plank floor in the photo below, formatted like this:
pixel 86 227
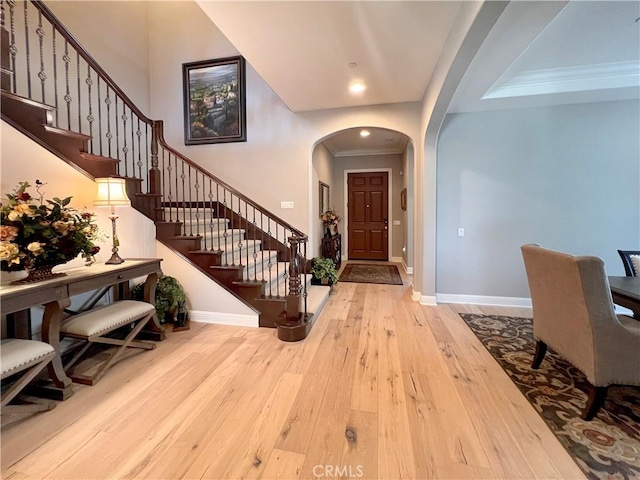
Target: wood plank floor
pixel 382 388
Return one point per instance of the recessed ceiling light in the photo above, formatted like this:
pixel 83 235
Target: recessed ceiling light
pixel 352 64
pixel 364 133
pixel 357 87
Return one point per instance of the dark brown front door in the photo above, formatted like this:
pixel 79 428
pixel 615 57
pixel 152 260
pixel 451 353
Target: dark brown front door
pixel 368 216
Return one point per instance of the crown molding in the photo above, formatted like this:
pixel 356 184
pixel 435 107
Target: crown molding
pixel 563 80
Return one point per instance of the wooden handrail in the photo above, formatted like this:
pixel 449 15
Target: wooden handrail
pixel 158 126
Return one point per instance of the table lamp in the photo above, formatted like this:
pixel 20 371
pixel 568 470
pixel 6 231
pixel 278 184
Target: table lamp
pixel 112 192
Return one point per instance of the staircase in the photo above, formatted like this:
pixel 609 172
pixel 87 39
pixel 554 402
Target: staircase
pixel 67 103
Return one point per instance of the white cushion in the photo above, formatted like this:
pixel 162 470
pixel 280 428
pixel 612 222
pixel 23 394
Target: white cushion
pixel 16 353
pixel 635 261
pixel 104 319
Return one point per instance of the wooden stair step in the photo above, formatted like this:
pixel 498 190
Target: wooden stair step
pixel 168 229
pixel 205 258
pixel 14 97
pixel 227 274
pixel 272 310
pixel 249 290
pixel 67 133
pixel 184 244
pixel 147 203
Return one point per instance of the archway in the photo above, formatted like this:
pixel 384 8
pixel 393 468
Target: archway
pixel 347 151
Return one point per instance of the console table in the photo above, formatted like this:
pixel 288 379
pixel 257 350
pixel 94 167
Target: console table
pixel 55 295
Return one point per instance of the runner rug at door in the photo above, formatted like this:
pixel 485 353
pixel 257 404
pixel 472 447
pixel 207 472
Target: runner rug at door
pixel 371 273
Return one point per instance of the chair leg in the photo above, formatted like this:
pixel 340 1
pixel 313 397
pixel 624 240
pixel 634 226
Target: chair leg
pixel 541 349
pixel 26 377
pixel 595 401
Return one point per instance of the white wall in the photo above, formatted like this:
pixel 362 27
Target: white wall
pixel 275 163
pixel 116 36
pixel 207 301
pixel 566 177
pixel 24 160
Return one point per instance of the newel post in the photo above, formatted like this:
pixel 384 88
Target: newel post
pixel 295 284
pixel 154 172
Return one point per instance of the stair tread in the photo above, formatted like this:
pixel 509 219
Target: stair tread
pixel 28 101
pixel 69 133
pixel 97 158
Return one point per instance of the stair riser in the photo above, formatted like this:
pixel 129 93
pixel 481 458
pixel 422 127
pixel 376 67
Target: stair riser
pixel 231 235
pixel 191 215
pixel 260 264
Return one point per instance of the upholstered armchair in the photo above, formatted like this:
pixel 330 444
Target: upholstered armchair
pixel 573 314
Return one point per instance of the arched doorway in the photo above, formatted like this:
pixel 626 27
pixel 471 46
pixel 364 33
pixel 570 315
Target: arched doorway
pixel 347 152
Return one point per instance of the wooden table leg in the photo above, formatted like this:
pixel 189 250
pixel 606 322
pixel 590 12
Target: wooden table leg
pixel 51 320
pixel 153 330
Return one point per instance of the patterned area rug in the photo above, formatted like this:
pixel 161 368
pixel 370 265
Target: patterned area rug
pixel 607 447
pixel 368 273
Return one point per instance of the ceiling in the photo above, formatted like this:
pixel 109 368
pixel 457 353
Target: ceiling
pixel 538 53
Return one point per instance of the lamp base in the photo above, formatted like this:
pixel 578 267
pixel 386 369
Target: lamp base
pixel 115 259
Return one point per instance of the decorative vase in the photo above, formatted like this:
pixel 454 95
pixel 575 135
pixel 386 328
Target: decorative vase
pixel 7 278
pixel 39 274
pixel 335 229
pixel 327 233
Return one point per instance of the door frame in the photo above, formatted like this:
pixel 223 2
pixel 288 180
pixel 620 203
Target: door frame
pixel 345 195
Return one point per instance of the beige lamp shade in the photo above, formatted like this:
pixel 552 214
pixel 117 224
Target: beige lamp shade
pixel 111 192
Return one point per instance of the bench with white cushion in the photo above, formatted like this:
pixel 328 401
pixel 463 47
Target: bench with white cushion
pixel 28 357
pixel 95 325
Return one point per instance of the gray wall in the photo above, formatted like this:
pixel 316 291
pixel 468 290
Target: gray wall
pixel 566 177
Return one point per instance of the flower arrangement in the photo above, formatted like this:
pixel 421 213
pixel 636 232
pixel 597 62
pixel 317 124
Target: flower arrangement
pixel 35 234
pixel 330 217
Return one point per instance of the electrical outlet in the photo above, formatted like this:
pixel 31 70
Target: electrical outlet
pixel 286 204
pixel 460 232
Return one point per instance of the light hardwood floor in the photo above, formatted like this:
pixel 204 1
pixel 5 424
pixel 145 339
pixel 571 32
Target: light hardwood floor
pixel 382 388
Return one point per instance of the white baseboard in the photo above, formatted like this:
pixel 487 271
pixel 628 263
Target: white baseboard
pixel 236 319
pixel 396 259
pixel 483 300
pixel 428 300
pixel 415 296
pixel 409 270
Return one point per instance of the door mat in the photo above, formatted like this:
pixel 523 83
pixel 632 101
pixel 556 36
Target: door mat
pixel 608 446
pixel 368 273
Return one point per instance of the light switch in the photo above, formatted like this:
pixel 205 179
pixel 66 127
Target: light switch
pixel 460 232
pixel 286 204
pixel 396 222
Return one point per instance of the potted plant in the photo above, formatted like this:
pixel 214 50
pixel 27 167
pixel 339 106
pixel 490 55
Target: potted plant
pixel 170 300
pixel 323 271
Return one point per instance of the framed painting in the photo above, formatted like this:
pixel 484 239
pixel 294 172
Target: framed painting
pixel 214 101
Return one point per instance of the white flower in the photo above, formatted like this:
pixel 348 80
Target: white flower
pixel 35 248
pixel 9 252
